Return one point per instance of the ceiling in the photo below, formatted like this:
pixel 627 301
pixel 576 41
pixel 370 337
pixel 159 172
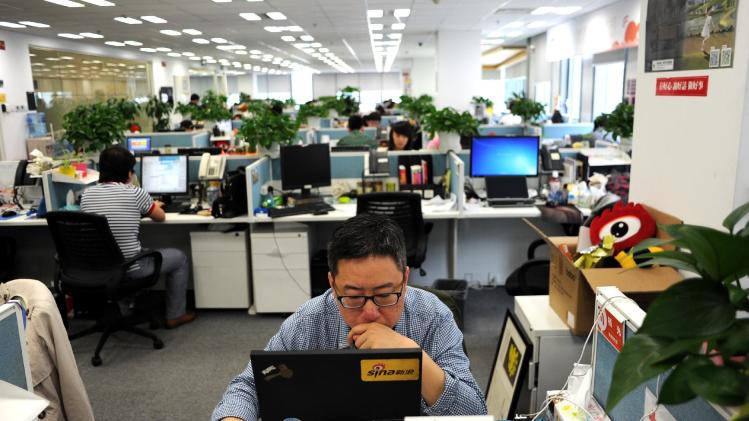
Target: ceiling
pixel 332 23
pixel 47 63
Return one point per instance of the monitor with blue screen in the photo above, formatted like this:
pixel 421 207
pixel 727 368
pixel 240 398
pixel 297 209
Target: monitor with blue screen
pixel 504 156
pixel 139 144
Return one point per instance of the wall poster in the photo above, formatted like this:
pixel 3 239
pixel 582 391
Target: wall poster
pixel 690 34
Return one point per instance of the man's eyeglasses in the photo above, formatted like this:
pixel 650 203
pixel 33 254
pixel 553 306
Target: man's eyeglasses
pixel 381 300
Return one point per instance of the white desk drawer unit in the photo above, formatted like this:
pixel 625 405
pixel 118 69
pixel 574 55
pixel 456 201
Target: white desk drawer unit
pixel 280 267
pixel 220 269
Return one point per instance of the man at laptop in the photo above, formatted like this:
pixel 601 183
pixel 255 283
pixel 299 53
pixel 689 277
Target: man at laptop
pixel 369 306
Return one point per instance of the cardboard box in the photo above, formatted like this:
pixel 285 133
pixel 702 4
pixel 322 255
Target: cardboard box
pixel 572 290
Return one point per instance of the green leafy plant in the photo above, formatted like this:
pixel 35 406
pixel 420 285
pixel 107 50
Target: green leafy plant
pixel 266 128
pixel 525 108
pixel 692 327
pixel 91 128
pixel 244 98
pixel 128 109
pixel 212 108
pixel 289 102
pixel 348 101
pixel 417 108
pixel 481 100
pixel 619 122
pixel 449 120
pixel 159 112
pixel 311 110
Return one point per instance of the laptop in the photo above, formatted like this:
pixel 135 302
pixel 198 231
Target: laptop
pixel 347 384
pixel 507 191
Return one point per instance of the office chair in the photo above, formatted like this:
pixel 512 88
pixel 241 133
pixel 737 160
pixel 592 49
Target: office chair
pixel 405 209
pixel 92 269
pixel 532 277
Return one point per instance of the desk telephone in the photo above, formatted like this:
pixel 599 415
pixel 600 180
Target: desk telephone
pixel 212 167
pixel 551 159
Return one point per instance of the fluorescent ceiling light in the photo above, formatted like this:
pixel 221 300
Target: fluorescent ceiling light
pixel 256 52
pixel 323 50
pixel 222 1
pixel 276 15
pixel 398 26
pixel 375 13
pixel 241 52
pixel 129 21
pixel 91 35
pixel 134 43
pixel 376 36
pixel 254 1
pixel 171 32
pixel 66 58
pixel 99 2
pixel 70 36
pixel 538 24
pixel 34 24
pixel 401 13
pixel 200 41
pixel 192 32
pixel 255 57
pixel 66 3
pixel 11 25
pixel 294 29
pixel 256 68
pixel 163 49
pixel 152 19
pixel 395 36
pixel 194 58
pixel 188 54
pixel 315 45
pixel 207 57
pixel 545 10
pixel 148 50
pixel 375 27
pixel 516 24
pixel 307 38
pixel 288 38
pixel 219 40
pixel 309 50
pixel 250 16
pixel 273 29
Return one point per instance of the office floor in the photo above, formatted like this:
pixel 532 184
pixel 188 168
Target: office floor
pixel 186 378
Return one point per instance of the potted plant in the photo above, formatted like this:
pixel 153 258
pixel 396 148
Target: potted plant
pixel 450 125
pixel 266 131
pixel 417 108
pixel 620 123
pixel 348 101
pixel 527 109
pixel 693 327
pixel 311 113
pixel 212 108
pixel 91 128
pixel 481 106
pixel 159 112
pixel 128 109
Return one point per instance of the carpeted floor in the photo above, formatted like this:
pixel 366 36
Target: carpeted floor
pixel 185 379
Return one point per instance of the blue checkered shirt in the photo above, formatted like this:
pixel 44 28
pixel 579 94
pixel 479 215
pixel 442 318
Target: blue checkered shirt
pixel 318 325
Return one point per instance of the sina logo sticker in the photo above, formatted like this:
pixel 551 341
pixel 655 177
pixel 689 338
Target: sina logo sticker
pixel 390 370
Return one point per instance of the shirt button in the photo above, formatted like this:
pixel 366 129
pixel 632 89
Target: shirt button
pixel 42 415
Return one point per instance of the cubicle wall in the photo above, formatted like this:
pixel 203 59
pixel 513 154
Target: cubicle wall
pixel 233 162
pixel 197 139
pixel 509 130
pixel 560 130
pixel 258 174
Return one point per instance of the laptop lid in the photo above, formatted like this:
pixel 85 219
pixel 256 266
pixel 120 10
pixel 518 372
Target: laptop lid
pixel 349 384
pixel 506 188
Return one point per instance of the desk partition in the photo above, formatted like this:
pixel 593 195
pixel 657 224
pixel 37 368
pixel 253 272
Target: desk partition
pixel 501 130
pixel 559 131
pixel 258 174
pixel 233 162
pixel 196 139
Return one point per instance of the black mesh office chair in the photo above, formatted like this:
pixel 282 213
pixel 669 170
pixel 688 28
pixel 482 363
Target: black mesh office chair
pixel 92 269
pixel 532 277
pixel 405 209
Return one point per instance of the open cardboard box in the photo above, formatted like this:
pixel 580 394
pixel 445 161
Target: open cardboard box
pixel 572 290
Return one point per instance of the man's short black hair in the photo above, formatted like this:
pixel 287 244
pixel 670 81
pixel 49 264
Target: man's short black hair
pixel 355 122
pixel 115 165
pixel 373 116
pixel 367 235
pixel 194 97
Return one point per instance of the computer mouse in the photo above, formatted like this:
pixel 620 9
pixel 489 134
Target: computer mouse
pixel 9 213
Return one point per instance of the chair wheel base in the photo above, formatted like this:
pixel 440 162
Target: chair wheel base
pixel 158 344
pixel 96 360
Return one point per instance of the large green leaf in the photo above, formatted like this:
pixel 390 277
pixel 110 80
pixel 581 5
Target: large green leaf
pixel 738 296
pixel 737 342
pixel 734 217
pixel 720 385
pixel 676 388
pixel 743 414
pixel 688 309
pixel 674 263
pixel 636 364
pixel 678 349
pixel 650 242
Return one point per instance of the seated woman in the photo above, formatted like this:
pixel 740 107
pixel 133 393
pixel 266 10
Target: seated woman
pixel 401 136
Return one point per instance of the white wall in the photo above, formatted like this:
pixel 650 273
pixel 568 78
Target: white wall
pixel 423 76
pixel 301 86
pixel 690 154
pixel 539 69
pixel 458 68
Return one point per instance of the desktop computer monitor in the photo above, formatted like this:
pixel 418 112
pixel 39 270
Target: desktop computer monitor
pixel 504 156
pixel 382 384
pixel 139 144
pixel 165 175
pixel 304 167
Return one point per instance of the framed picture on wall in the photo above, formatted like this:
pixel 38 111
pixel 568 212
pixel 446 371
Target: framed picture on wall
pixel 510 366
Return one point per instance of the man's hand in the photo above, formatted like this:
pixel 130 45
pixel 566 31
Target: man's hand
pixel 157 212
pixel 378 336
pixel 159 204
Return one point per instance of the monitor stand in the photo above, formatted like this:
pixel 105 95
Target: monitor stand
pixel 306 198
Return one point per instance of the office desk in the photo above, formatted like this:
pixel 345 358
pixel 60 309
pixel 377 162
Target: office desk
pixel 171 218
pixel 343 212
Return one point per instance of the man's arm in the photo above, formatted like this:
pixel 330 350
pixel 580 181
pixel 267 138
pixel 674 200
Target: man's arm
pixel 157 212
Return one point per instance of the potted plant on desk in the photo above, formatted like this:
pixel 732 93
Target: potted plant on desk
pixel 266 131
pixel 528 110
pixel 417 108
pixel 311 114
pixel 694 327
pixel 620 124
pixel 159 112
pixel 92 128
pixel 450 125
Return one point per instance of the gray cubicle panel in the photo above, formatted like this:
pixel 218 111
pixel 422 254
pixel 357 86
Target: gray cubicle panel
pixel 196 139
pixel 232 163
pixel 370 132
pixel 560 130
pixel 502 130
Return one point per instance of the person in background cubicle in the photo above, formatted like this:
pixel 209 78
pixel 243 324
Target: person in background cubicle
pixel 372 119
pixel 401 136
pixel 195 99
pixel 556 117
pixel 356 136
pixel 124 205
pixel 370 306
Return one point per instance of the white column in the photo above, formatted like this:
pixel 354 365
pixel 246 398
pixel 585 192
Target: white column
pixel 691 154
pixel 458 67
pixel 423 76
pixel 301 86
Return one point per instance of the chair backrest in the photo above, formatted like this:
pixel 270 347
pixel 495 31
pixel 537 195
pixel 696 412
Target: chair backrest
pixel 405 209
pixel 87 253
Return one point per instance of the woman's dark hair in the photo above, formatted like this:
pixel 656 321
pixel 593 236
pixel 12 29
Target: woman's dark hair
pixel 367 235
pixel 403 128
pixel 355 122
pixel 115 165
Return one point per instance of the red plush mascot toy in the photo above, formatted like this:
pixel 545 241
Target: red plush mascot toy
pixel 629 224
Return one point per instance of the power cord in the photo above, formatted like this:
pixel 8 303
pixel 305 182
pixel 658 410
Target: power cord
pixel 283 262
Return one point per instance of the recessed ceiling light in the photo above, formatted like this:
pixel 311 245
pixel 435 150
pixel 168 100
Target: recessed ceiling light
pixel 250 16
pixel 69 36
pixel 171 32
pixel 148 50
pixel 402 13
pixel 241 52
pixel 134 43
pixel 66 3
pixel 323 50
pixel 91 35
pixel 200 41
pixel 276 15
pixel 376 36
pixel 256 52
pixel 222 1
pixel 11 25
pixel 309 50
pixel 129 21
pixel 115 43
pixel 219 40
pixel 395 36
pixel 255 57
pixel 301 45
pixel 375 13
pixel 163 49
pixel 188 54
pixel 315 45
pixel 398 26
pixel 207 57
pixel 307 38
pixel 33 24
pixel 375 27
pixel 294 28
pixel 194 58
pixel 192 32
pixel 565 10
pixel 256 68
pixel 153 19
pixel 98 2
pixel 273 29
pixel 252 1
pixel 288 38
pixel 66 58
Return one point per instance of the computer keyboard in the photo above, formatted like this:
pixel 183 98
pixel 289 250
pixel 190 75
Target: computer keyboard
pixel 176 207
pixel 320 207
pixel 511 204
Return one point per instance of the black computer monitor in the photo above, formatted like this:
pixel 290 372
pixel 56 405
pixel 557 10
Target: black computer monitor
pixel 139 144
pixel 504 156
pixel 165 175
pixel 304 167
pixel 382 384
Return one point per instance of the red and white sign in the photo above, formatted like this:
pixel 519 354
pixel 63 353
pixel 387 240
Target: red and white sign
pixel 2 45
pixel 681 86
pixel 612 329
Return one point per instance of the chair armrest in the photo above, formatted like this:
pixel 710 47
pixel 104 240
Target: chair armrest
pixel 533 246
pixel 142 255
